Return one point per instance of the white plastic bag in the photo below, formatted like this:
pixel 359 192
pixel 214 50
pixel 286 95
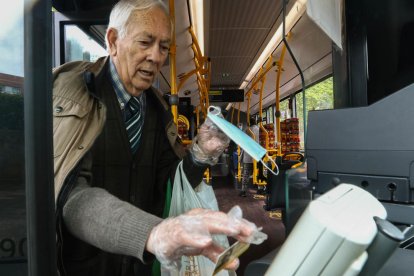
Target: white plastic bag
pixel 183 199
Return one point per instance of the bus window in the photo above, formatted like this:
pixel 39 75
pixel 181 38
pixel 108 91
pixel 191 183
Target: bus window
pixel 80 46
pixel 318 97
pixel 13 243
pixel 284 109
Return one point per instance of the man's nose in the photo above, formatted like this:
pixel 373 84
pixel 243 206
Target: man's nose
pixel 154 54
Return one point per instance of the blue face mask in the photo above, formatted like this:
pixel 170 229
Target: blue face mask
pixel 249 145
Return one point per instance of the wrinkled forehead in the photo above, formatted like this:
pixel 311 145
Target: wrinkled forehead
pixel 152 19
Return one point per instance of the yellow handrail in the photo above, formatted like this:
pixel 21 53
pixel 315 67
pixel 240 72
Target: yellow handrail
pixel 203 71
pixel 248 117
pixel 256 80
pixel 259 78
pixel 239 174
pixel 263 80
pixel 173 49
pixel 232 113
pixel 251 133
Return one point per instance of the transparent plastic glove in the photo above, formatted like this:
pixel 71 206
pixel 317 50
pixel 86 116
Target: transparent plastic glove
pixel 209 143
pixel 253 234
pixel 190 234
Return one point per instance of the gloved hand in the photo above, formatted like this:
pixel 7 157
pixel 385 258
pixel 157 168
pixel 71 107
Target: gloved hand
pixel 209 143
pixel 190 234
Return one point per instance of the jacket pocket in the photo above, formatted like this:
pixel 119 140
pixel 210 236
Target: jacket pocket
pixel 68 121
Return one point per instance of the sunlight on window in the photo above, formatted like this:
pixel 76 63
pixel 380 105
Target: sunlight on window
pixel 12 38
pixel 10 15
pixel 80 46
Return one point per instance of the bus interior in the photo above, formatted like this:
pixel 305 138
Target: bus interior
pixel 329 83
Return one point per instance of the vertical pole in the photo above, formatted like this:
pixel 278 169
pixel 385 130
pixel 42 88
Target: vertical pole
pixel 239 175
pixel 40 195
pixel 173 49
pixel 263 80
pixel 248 110
pixel 232 112
pixel 238 115
pixel 279 73
pixel 298 67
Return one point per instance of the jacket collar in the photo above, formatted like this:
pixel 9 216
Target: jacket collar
pixel 93 72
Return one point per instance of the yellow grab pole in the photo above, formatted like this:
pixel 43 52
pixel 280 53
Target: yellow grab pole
pixel 209 73
pixel 202 95
pixel 263 80
pixel 203 67
pixel 185 78
pixel 262 73
pixel 260 78
pixel 195 41
pixel 238 149
pixel 248 116
pixel 254 174
pixel 248 111
pixel 196 114
pixel 204 91
pixel 238 116
pixel 232 112
pixel 173 49
pixel 203 83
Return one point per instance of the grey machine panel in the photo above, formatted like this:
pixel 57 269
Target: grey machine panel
pixel 371 146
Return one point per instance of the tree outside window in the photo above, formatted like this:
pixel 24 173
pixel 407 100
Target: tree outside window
pixel 318 97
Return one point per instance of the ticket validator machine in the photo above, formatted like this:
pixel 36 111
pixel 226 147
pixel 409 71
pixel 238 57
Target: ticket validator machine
pixel 343 232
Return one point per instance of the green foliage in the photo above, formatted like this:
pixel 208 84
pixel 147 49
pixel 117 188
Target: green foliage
pixel 11 111
pixel 318 97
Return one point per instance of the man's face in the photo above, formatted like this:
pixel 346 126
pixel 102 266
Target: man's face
pixel 138 56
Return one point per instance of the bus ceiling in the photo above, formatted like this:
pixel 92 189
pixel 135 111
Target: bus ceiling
pixel 84 9
pixel 235 34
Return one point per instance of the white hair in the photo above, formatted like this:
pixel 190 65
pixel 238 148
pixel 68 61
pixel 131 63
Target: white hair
pixel 121 12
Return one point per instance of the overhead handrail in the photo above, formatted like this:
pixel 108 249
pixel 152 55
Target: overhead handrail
pixel 278 114
pixel 284 39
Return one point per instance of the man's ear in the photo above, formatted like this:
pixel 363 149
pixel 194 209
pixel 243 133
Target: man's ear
pixel 111 37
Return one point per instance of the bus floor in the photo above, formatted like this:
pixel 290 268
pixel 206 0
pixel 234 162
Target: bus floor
pixel 227 195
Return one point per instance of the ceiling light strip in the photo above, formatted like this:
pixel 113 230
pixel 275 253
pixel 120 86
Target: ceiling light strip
pixel 297 10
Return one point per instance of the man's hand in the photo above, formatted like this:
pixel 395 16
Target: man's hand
pixel 190 234
pixel 209 143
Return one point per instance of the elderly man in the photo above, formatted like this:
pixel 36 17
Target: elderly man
pixel 116 150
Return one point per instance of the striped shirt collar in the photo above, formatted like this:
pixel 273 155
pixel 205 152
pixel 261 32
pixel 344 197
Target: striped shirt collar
pixel 121 93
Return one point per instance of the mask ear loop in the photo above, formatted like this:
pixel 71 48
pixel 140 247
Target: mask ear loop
pixel 273 161
pixel 214 110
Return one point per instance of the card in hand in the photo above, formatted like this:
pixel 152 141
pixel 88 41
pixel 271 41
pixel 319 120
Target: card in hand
pixel 230 254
